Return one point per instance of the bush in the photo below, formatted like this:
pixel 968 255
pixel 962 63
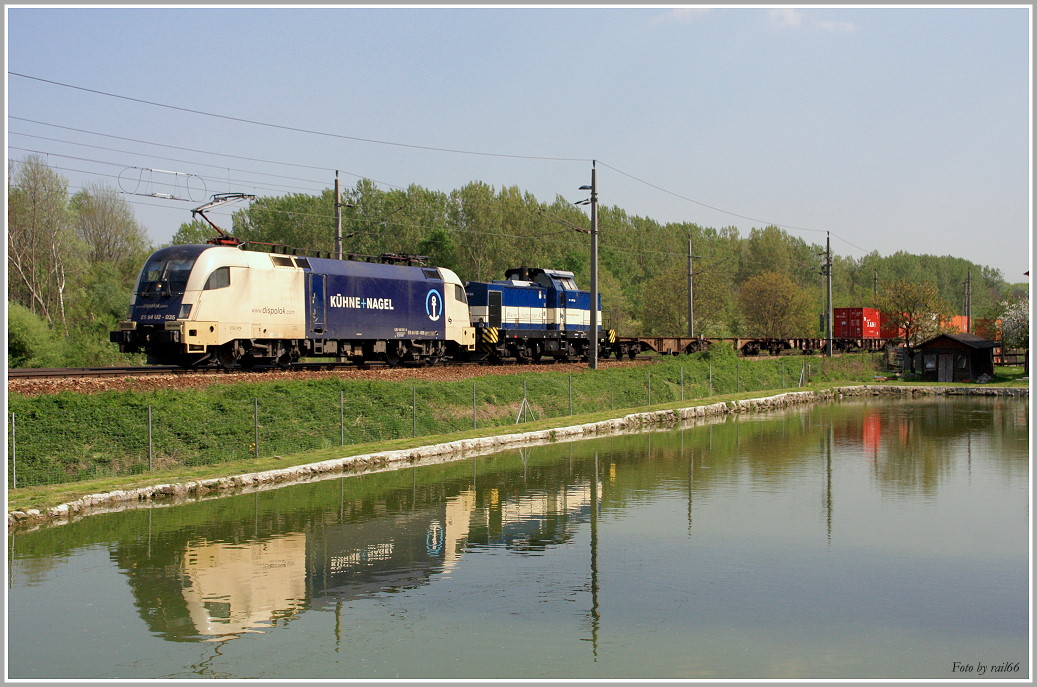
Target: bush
pixel 720 352
pixel 30 341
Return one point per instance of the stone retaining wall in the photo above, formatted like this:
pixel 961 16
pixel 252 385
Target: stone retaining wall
pixel 453 450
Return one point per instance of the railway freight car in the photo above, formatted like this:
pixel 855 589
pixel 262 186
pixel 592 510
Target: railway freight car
pixel 202 304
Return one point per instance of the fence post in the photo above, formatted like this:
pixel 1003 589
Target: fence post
pixel 782 373
pixel 736 375
pixel 14 455
pixel 342 418
pixel 570 394
pixel 682 383
pixel 475 408
pixel 711 379
pixel 151 446
pixel 649 387
pixel 255 450
pixel 414 411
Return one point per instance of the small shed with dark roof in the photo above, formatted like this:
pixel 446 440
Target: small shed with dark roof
pixel 954 358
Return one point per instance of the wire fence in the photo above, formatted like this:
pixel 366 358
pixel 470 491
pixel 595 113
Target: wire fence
pixel 58 443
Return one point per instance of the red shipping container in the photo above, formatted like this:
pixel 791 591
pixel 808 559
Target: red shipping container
pixel 887 330
pixel 857 323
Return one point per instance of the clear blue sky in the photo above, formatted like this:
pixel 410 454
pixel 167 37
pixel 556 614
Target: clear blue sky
pixel 894 129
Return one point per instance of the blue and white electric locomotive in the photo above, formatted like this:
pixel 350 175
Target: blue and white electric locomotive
pixel 202 304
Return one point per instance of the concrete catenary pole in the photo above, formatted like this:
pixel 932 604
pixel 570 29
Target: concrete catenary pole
pixel 338 219
pixel 828 312
pixel 691 306
pixel 594 267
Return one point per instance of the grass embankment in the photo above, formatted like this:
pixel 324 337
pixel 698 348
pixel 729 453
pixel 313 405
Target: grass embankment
pixel 70 445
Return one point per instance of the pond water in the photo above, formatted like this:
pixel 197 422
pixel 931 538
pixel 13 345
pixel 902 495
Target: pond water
pixel 857 540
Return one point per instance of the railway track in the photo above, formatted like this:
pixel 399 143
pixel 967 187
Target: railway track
pixel 72 373
pixel 88 372
pixel 154 370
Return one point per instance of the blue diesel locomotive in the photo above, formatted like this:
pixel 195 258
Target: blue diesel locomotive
pixel 529 314
pixel 201 305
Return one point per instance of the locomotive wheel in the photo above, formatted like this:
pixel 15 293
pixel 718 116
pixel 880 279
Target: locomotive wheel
pixel 225 357
pixel 397 352
pixel 521 353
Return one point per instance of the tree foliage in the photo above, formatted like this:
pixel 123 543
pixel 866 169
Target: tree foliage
pixel 773 306
pixel 43 254
pixel 30 342
pixel 106 227
pixel 1015 323
pixel 915 308
pixel 72 261
pixel 195 231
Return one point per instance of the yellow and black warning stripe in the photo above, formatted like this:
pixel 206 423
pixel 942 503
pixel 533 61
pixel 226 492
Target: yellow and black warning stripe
pixel 488 338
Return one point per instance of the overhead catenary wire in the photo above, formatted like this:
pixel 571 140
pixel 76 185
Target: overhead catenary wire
pixel 160 157
pixel 427 148
pixel 203 152
pixel 285 127
pixel 254 185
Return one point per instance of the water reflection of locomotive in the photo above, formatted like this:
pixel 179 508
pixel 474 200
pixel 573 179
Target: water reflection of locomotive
pixel 226 579
pixel 220 581
pixel 217 304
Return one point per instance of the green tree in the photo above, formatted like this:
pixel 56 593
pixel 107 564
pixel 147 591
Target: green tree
pixel 193 232
pixel 914 308
pixel 476 218
pixel 296 221
pixel 43 254
pixel 665 304
pixel 773 250
pixel 105 223
pixel 773 306
pixel 440 247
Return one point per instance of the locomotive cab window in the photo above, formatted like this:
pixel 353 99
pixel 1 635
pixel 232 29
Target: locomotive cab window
pixel 219 279
pixel 459 294
pixel 165 276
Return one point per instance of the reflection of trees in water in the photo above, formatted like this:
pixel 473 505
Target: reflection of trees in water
pixel 374 533
pixel 922 440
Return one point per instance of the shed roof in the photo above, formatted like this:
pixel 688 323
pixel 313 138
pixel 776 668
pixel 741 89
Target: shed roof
pixel 970 340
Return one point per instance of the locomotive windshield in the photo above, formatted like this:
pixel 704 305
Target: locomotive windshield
pixel 166 271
